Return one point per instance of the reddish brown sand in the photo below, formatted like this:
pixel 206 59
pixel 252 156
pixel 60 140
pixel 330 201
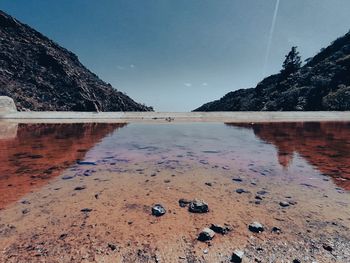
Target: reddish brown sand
pixel 141 165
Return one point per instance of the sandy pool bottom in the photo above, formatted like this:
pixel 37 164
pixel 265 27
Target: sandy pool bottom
pixel 103 214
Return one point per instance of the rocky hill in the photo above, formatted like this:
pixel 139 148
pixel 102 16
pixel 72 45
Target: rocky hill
pixel 322 84
pixel 40 75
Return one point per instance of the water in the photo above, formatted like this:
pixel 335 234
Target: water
pixel 90 187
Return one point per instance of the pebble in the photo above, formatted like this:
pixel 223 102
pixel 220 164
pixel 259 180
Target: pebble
pixel 237 256
pixel 220 229
pixel 198 206
pixel 86 163
pixel 25 211
pixel 79 188
pixel 284 204
pixel 112 246
pixel 184 202
pixel 67 177
pixel 237 179
pixel 262 192
pixel 256 227
pixel 241 191
pixel 206 234
pixel 327 247
pixel 158 210
pixel 276 230
pixel 86 210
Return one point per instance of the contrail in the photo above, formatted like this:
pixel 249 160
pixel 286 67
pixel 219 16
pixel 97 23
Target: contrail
pixel 272 30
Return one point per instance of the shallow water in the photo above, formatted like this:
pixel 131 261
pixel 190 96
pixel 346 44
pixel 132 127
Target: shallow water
pixel 114 173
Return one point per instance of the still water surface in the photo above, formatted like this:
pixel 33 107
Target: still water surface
pixel 123 169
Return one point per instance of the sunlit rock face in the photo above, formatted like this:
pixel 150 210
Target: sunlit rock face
pixel 324 145
pixel 31 154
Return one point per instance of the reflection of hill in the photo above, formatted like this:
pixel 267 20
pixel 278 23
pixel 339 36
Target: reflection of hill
pixel 42 151
pixel 324 145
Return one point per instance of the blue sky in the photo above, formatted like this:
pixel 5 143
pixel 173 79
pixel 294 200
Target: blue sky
pixel 178 54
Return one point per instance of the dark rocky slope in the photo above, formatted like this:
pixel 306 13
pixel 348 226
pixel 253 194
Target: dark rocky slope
pixel 322 84
pixel 40 75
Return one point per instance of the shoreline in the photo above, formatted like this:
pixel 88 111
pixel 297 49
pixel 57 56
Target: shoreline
pixel 123 117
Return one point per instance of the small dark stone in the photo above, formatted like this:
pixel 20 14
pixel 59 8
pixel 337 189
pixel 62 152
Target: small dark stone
pixel 85 163
pixel 241 191
pixel 284 204
pixel 67 177
pixel 220 229
pixel 112 246
pixel 276 230
pixel 296 261
pixel 258 197
pixel 237 256
pixel 256 227
pixel 25 202
pixel 63 236
pixel 237 179
pixel 198 206
pixel 327 247
pixel 86 210
pixel 79 188
pixel 25 211
pixel 206 234
pixel 158 210
pixel 184 202
pixel 262 192
pixel 208 184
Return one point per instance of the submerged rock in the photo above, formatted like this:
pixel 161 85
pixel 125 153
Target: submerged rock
pixel 67 177
pixel 256 227
pixel 184 202
pixel 86 210
pixel 284 204
pixel 220 229
pixel 237 256
pixel 198 206
pixel 241 191
pixel 79 188
pixel 237 179
pixel 276 229
pixel 206 234
pixel 158 210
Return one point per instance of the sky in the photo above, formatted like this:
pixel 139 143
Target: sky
pixel 176 55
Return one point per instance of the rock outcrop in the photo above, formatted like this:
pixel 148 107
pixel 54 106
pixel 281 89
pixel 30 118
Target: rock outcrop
pixel 322 84
pixel 40 75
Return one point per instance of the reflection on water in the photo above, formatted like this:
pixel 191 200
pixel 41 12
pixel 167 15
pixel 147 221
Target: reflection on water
pixel 99 208
pixel 30 154
pixel 324 145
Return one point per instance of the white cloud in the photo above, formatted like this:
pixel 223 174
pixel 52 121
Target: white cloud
pixel 188 84
pixel 204 84
pixel 120 67
pixel 132 66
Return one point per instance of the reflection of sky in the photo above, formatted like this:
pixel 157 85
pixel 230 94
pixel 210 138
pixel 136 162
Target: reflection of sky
pixel 177 54
pixel 206 143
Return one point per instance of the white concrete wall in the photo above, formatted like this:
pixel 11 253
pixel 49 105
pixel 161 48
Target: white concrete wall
pixel 174 116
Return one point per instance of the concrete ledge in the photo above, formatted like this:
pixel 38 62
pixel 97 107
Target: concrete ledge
pixel 173 116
